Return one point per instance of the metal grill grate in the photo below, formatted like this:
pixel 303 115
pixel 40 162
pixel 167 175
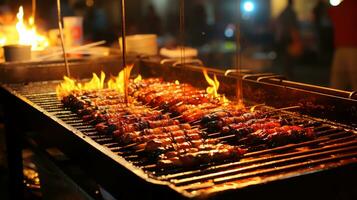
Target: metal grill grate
pixel 335 146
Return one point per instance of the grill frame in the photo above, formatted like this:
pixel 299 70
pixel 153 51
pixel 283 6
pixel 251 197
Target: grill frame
pixel 76 144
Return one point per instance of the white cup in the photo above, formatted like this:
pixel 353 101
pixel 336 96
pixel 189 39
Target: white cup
pixel 142 44
pixel 73 30
pixel 17 53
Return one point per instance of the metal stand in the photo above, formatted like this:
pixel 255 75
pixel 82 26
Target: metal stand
pixel 14 146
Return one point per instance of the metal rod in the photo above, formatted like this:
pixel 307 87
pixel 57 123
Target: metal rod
pixel 62 37
pixel 239 92
pixel 123 40
pixel 34 11
pixel 182 30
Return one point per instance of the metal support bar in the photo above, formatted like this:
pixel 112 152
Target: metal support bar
pixel 14 146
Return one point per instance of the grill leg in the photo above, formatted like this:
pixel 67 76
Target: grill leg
pixel 14 142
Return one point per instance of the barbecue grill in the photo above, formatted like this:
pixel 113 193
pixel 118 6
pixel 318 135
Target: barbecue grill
pixel 317 167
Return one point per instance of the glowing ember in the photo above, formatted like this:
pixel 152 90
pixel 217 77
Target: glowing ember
pixel 177 82
pixel 213 87
pixel 69 85
pixel 24 34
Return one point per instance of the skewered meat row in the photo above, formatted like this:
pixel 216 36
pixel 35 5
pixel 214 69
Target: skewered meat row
pixel 173 143
pixel 197 96
pixel 139 136
pixel 84 102
pixel 134 86
pixel 111 125
pixel 121 123
pixel 125 128
pixel 126 114
pixel 169 141
pixel 181 140
pixel 279 136
pixel 179 148
pixel 189 107
pixel 217 125
pixel 229 119
pixel 201 155
pixel 213 118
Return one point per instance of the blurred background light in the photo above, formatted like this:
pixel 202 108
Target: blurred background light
pixel 248 6
pixel 335 2
pixel 229 31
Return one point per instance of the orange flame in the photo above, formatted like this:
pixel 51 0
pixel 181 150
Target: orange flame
pixel 138 79
pixel 117 83
pixel 28 34
pixel 23 33
pixel 69 85
pixel 213 87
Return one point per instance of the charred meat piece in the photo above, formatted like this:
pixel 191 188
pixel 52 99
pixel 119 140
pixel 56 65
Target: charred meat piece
pixel 201 155
pixel 279 136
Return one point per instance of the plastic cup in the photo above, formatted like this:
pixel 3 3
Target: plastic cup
pixel 73 30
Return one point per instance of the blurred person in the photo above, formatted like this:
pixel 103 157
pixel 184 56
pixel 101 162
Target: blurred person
pixel 95 20
pixel 344 66
pixel 324 31
pixel 8 32
pixel 152 21
pixel 66 10
pixel 288 40
pixel 6 15
pixel 197 27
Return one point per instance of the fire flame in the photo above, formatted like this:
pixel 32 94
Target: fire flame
pixel 70 85
pixel 117 83
pixel 24 33
pixel 138 79
pixel 28 34
pixel 213 87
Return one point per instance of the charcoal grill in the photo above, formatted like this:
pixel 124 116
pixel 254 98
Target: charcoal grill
pixel 332 156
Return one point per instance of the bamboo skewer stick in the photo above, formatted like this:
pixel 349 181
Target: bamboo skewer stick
pixel 62 37
pixel 72 50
